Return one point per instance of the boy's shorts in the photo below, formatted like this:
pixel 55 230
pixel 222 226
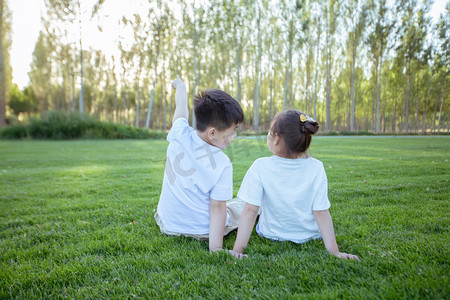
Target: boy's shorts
pixel 234 209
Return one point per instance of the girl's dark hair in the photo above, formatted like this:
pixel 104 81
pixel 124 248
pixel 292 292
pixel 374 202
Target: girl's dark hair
pixel 217 109
pixel 296 134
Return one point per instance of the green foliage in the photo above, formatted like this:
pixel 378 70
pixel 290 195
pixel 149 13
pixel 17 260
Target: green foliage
pixel 21 101
pixel 76 221
pixel 59 125
pixel 308 49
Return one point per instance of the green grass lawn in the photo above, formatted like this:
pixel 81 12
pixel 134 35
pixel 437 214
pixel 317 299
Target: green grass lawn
pixel 76 221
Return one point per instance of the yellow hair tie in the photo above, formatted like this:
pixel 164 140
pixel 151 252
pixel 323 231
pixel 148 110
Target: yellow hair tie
pixel 304 118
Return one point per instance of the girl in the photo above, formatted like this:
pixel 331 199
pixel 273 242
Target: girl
pixel 290 186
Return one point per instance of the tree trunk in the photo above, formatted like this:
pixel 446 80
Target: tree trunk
pixel 407 96
pixel 317 64
pixel 150 103
pixel 195 42
pixel 127 108
pixel 308 77
pixel 271 97
pixel 216 65
pixel 73 90
pixel 116 111
pixel 238 68
pixel 194 88
pixel 124 104
pixel 328 80
pixel 402 108
pixel 80 99
pixel 286 85
pixel 394 121
pixel 416 117
pixel 435 116
pixel 164 100
pixel 379 91
pixel 291 93
pixel 352 118
pixel 424 120
pixel 374 99
pixel 138 100
pixel 2 72
pixel 106 103
pixel 442 105
pixel 258 79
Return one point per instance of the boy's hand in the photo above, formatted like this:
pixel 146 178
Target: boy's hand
pixel 178 83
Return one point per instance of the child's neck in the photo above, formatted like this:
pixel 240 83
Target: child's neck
pixel 204 136
pixel 292 156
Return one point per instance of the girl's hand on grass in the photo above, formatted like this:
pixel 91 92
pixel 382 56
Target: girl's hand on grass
pixel 346 256
pixel 237 254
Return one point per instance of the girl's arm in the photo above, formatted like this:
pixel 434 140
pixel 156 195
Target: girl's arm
pixel 246 223
pixel 323 219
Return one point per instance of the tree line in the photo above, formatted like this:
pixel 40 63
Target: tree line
pixel 353 65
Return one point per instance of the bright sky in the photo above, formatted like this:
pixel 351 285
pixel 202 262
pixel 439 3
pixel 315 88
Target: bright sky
pixel 27 24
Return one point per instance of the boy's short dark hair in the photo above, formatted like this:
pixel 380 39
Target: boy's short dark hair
pixel 215 108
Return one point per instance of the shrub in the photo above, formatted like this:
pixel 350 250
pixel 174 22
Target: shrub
pixel 58 125
pixel 14 132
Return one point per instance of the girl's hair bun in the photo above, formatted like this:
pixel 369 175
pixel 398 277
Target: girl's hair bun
pixel 296 129
pixel 309 127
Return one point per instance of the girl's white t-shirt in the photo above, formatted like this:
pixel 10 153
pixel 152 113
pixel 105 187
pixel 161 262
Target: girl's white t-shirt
pixel 289 190
pixel 195 172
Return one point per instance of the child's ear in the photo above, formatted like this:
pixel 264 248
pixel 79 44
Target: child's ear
pixel 277 139
pixel 211 132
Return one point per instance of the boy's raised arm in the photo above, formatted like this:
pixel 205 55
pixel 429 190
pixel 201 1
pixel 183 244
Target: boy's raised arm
pixel 181 100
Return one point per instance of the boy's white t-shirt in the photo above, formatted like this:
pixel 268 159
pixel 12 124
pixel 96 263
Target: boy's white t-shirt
pixel 195 172
pixel 288 191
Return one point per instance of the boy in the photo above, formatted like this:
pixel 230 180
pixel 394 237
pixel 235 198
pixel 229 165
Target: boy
pixel 198 177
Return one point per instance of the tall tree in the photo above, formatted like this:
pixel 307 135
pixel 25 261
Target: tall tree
pixel 256 100
pixel 113 79
pixel 413 37
pixel 41 70
pixel 274 46
pixel 309 64
pixel 138 49
pixel 358 14
pixel 331 10
pixel 443 55
pixel 377 41
pixel 196 36
pixel 5 68
pixel 288 13
pixel 159 21
pixel 126 57
pixel 71 14
pixel 317 67
pixel 236 21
